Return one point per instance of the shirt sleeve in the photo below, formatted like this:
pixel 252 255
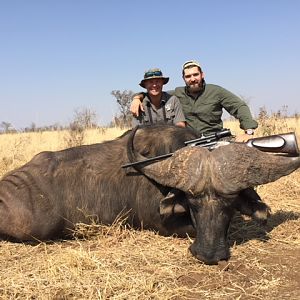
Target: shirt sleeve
pixel 171 92
pixel 137 94
pixel 138 120
pixel 135 122
pixel 237 108
pixel 179 116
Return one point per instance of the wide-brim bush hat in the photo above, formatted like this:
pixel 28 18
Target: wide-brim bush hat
pixel 153 73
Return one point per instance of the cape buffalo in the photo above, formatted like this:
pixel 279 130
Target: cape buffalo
pixel 195 191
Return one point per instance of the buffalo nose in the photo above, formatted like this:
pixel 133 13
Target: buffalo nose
pixel 211 258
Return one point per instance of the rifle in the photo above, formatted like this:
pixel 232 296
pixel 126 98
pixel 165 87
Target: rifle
pixel 204 141
pixel 209 141
pixel 285 143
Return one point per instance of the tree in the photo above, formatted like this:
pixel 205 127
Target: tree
pixel 124 100
pixel 85 117
pixel 7 127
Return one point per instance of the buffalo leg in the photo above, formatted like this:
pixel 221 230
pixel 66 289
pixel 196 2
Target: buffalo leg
pixel 249 203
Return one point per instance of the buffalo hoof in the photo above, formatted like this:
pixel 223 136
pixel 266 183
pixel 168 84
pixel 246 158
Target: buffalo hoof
pixel 261 213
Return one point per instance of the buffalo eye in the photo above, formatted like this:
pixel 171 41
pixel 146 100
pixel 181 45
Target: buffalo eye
pixel 194 204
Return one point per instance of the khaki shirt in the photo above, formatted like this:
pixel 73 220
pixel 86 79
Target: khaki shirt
pixel 169 103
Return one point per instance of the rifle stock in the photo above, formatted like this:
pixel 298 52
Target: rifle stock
pixel 278 143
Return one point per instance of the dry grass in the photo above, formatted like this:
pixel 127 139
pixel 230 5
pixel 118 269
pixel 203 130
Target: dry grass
pixel 270 125
pixel 118 262
pixel 18 148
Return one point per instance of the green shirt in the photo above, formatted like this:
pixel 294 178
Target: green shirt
pixel 204 114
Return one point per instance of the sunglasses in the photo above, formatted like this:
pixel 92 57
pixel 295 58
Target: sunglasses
pixel 151 74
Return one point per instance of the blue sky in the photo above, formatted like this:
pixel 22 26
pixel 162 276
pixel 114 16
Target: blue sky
pixel 60 55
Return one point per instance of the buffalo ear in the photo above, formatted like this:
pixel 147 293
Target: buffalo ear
pixel 173 204
pixel 236 167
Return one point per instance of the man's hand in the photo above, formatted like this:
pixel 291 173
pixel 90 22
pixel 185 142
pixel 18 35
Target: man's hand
pixel 136 105
pixel 181 124
pixel 243 138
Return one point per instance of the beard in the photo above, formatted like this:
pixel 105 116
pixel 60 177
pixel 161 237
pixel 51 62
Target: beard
pixel 195 88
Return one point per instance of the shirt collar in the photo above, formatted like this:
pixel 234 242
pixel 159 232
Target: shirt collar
pixel 163 99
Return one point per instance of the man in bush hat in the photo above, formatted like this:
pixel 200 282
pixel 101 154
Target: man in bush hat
pixel 202 104
pixel 158 106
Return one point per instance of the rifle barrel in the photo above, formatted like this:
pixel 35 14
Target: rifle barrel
pixel 147 160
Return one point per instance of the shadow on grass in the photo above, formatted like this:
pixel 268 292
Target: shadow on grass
pixel 241 230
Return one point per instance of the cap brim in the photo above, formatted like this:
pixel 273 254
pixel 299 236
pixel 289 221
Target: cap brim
pixel 142 83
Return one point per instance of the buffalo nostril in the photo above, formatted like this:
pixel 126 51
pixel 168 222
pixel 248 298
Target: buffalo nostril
pixel 211 262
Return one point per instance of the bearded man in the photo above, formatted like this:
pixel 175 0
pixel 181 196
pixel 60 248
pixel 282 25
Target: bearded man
pixel 203 104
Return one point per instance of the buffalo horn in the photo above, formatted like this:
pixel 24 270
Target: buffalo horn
pixel 237 166
pixel 185 170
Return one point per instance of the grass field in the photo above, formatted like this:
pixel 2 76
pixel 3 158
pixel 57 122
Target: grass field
pixel 117 262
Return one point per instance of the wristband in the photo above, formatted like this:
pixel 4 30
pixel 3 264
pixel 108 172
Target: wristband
pixel 249 131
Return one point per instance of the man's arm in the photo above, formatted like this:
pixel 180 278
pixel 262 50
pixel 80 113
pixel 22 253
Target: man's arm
pixel 241 111
pixel 171 92
pixel 181 124
pixel 237 108
pixel 136 104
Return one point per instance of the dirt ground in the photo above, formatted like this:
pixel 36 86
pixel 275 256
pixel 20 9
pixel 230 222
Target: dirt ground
pixel 255 271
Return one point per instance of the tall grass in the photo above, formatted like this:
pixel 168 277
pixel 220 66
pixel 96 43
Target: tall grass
pixel 18 148
pixel 269 125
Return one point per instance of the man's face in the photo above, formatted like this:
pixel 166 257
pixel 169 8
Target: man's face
pixel 193 79
pixel 154 86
